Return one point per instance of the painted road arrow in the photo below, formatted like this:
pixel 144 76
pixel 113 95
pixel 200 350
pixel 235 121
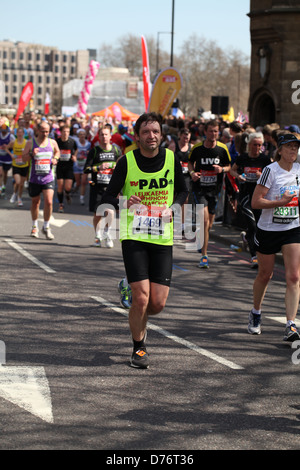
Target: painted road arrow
pixel 55 222
pixel 28 388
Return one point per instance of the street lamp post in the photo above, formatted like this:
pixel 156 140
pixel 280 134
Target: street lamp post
pixel 172 33
pixel 172 40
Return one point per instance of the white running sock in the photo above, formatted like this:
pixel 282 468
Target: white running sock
pixel 257 312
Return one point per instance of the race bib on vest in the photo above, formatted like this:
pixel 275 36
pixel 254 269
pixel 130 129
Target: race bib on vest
pixel 81 158
pixel 208 177
pixel 184 166
pixel 250 173
pixel 148 220
pixel 65 155
pixel 42 163
pixel 18 160
pixel 290 212
pixel 104 176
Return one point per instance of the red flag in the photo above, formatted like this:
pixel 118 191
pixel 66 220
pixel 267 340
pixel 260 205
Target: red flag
pixel 146 73
pixel 26 94
pixel 47 104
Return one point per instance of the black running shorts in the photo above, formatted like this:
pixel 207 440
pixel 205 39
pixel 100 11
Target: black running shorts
pixel 145 260
pixel 36 189
pixel 64 172
pixel 269 242
pixel 6 166
pixel 208 199
pixel 23 171
pixel 96 193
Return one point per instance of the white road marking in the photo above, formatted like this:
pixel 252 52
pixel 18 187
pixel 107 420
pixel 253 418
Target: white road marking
pixel 56 222
pixel 278 319
pixel 29 256
pixel 173 337
pixel 2 353
pixel 28 388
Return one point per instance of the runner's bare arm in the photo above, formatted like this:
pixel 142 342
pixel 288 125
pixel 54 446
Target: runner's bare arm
pixel 26 155
pixel 260 202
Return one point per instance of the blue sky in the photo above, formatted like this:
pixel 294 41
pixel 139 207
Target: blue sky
pixel 74 24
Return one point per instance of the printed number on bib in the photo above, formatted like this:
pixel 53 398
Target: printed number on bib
pixel 65 155
pixel 18 160
pixel 288 213
pixel 208 177
pixel 184 166
pixel 148 220
pixel 251 173
pixel 42 163
pixel 81 158
pixel 104 176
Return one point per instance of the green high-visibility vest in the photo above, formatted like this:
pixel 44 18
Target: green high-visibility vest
pixel 143 222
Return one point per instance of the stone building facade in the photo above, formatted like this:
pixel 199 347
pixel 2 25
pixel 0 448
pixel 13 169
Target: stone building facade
pixel 48 68
pixel 275 62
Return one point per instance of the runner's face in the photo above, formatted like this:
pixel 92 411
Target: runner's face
pixel 212 133
pixel 44 131
pixel 149 137
pixel 255 147
pixel 20 132
pixel 104 136
pixel 65 133
pixel 185 138
pixel 289 151
pixel 81 136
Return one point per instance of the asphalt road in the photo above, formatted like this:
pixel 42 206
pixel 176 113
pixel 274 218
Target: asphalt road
pixel 65 380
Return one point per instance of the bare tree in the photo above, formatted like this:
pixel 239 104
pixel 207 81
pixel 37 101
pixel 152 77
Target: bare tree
pixel 128 54
pixel 207 69
pixel 109 56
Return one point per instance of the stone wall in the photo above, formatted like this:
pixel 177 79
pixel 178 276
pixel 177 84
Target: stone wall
pixel 275 62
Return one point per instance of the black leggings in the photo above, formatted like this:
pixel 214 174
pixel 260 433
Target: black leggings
pixel 251 216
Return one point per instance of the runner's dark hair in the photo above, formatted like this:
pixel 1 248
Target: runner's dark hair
pixel 147 117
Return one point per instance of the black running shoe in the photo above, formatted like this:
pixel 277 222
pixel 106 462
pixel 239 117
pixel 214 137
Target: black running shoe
pixel 291 333
pixel 140 359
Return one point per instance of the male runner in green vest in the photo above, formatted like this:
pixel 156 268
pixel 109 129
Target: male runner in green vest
pixel 148 179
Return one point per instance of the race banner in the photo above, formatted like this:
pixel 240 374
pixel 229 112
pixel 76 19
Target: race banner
pixel 165 90
pixel 146 73
pixel 86 90
pixel 25 97
pixel 117 112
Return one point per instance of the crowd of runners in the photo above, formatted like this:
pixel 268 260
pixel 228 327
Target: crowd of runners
pixel 142 171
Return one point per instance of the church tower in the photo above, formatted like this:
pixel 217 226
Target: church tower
pixel 275 62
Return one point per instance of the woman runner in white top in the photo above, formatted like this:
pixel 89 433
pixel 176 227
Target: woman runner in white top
pixel 277 195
